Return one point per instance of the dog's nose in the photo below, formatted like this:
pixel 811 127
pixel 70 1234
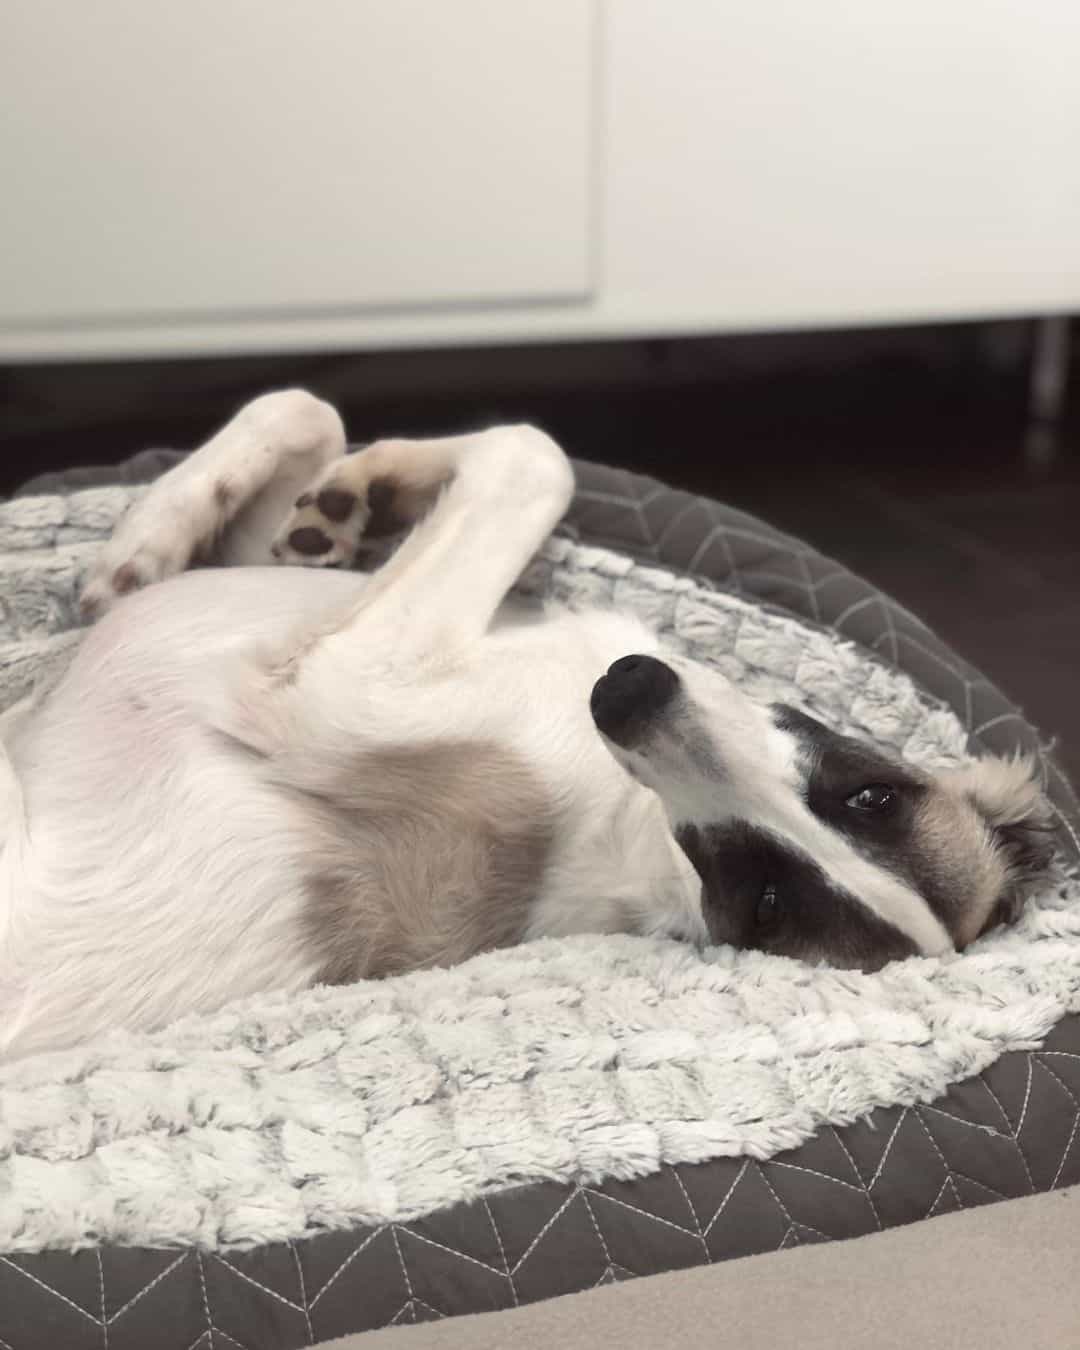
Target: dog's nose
pixel 635 690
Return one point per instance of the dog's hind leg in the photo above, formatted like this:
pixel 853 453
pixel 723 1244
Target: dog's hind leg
pixel 225 502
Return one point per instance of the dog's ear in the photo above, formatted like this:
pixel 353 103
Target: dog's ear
pixel 1006 792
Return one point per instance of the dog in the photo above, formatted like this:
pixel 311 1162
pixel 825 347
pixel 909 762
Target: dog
pixel 259 777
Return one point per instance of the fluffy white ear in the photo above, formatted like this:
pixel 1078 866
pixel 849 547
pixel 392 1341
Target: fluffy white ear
pixel 1007 793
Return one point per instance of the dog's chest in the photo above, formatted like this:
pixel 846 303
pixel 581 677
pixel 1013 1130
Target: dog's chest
pixel 478 805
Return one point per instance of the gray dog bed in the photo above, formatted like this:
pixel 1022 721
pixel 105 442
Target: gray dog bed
pixel 1007 1130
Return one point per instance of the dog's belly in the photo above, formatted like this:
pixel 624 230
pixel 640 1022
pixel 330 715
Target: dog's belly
pixel 155 876
pixel 164 875
pixel 180 624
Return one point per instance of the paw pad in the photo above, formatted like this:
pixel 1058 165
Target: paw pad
pixel 310 542
pixel 324 528
pixel 335 504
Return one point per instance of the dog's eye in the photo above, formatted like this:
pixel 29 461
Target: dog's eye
pixel 768 908
pixel 873 797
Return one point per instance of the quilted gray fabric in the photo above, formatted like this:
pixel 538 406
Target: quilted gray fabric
pixel 1011 1131
pixel 1007 1133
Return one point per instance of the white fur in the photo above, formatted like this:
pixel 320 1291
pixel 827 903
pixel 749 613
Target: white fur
pixel 149 872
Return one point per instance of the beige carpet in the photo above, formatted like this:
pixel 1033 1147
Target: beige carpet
pixel 995 1278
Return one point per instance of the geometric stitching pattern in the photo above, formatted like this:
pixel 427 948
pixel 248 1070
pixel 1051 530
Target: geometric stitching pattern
pixel 1013 1130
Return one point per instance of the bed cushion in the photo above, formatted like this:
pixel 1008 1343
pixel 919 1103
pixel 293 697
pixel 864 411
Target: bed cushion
pixel 1006 1131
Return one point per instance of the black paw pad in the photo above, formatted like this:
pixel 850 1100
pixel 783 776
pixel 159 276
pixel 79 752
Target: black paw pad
pixel 335 504
pixel 310 542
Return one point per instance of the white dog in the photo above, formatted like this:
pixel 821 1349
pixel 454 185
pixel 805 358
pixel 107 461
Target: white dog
pixel 267 777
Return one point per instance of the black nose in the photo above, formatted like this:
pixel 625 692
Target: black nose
pixel 635 690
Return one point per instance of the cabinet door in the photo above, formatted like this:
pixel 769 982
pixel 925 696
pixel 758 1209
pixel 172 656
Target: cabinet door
pixel 786 162
pixel 266 158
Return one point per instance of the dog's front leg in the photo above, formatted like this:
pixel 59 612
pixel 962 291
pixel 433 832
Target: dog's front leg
pixel 491 499
pixel 225 501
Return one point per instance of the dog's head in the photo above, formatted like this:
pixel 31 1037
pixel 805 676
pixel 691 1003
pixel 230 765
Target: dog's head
pixel 813 844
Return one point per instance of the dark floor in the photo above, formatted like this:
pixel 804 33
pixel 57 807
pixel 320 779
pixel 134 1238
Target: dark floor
pixel 945 509
pixel 907 464
pixel 987 554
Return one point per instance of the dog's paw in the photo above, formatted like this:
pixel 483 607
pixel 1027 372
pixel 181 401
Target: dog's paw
pixel 373 494
pixel 107 583
pixel 325 527
pixel 157 539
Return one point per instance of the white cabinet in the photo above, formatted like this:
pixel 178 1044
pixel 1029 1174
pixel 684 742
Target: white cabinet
pixel 223 158
pixel 275 175
pixel 815 162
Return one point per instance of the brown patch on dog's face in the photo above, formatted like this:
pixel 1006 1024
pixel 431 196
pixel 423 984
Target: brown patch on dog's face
pixel 1017 822
pixel 954 862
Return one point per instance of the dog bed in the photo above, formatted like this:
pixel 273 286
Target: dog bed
pixel 567 1113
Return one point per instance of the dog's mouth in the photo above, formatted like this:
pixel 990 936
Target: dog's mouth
pixel 627 701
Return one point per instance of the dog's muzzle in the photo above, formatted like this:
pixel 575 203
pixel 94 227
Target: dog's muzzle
pixel 628 699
